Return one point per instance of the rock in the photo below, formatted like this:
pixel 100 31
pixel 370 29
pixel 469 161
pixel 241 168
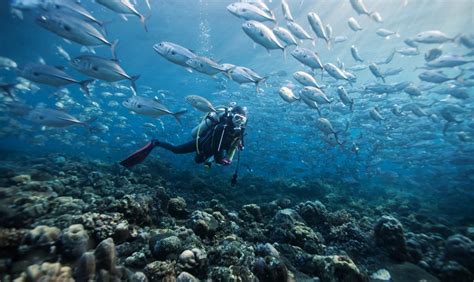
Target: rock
pixel 86 267
pixel 203 224
pixel 410 272
pixel 193 261
pixel 251 213
pixel 59 160
pixel 177 207
pixel 461 249
pixel 288 227
pixel 186 277
pixel 136 260
pixel 266 249
pixel 388 232
pixel 167 248
pixel 160 271
pixel 231 252
pixel 334 269
pixel 470 233
pixel 452 271
pixel 270 269
pixel 21 179
pixel 46 272
pixel 74 241
pixel 232 273
pixel 11 238
pixel 42 236
pixel 381 275
pixel 138 277
pixel 105 255
pixel 314 213
pixel 122 232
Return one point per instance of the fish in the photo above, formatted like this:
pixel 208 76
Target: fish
pixel 413 91
pixel 286 11
pixel 7 63
pixel 249 12
pixel 448 115
pixel 340 39
pixel 375 114
pixel 315 94
pixel 150 107
pixel 307 57
pixel 200 103
pixel 174 53
pixel 355 54
pixel 8 89
pixel 448 61
pixel 243 75
pixel 298 31
pixel 73 29
pixel 408 51
pixel 433 54
pixel 437 76
pixel 433 37
pixel 305 79
pixel 376 17
pixel 467 40
pixel 284 35
pixel 70 6
pixel 345 99
pixel 102 68
pixel 124 7
pixel 287 95
pixel 52 76
pixel 359 7
pixel 55 118
pixel 63 53
pixel 335 72
pixel 310 103
pixel 318 27
pixel 411 42
pixel 386 33
pixel 205 65
pixel 353 24
pixel 262 35
pixel 374 69
pixel 388 59
pixel 392 71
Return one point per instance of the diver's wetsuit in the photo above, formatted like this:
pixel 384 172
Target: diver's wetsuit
pixel 209 143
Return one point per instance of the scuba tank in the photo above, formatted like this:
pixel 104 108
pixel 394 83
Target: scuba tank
pixel 209 121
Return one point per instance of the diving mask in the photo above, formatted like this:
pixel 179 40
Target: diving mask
pixel 238 120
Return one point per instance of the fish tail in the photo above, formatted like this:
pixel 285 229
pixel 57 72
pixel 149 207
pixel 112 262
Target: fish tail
pixel 88 122
pixel 178 115
pixel 143 20
pixel 84 86
pixel 133 79
pixel 113 49
pixel 258 82
pixel 148 4
pixel 351 107
pixel 8 88
pixel 328 43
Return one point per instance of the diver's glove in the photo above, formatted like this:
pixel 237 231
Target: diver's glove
pixel 225 161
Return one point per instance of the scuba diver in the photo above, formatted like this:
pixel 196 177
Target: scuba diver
pixel 219 135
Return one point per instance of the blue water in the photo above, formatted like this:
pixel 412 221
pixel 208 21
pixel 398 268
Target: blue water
pixel 282 140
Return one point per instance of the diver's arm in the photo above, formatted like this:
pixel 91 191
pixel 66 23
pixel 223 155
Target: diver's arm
pixel 232 150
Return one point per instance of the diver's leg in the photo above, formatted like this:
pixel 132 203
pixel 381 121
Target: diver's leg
pixel 185 148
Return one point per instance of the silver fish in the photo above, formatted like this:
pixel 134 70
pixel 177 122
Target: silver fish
pixel 124 7
pixel 315 94
pixel 284 35
pixel 355 54
pixel 345 99
pixel 287 95
pixel 262 35
pixel 307 57
pixel 102 68
pixel 200 103
pixel 50 75
pixel 374 69
pixel 150 107
pixel 174 53
pixel 205 65
pixel 55 118
pixel 359 7
pixel 298 31
pixel 318 27
pixel 286 10
pixel 249 12
pixel 386 33
pixel 432 37
pixel 335 72
pixel 353 24
pixel 305 79
pixel 375 114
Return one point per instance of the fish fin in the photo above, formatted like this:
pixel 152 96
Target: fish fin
pixel 190 70
pixel 84 86
pixel 103 24
pixel 132 80
pixel 148 4
pixel 113 49
pixel 124 17
pixel 62 68
pixel 88 122
pixel 257 83
pixel 177 115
